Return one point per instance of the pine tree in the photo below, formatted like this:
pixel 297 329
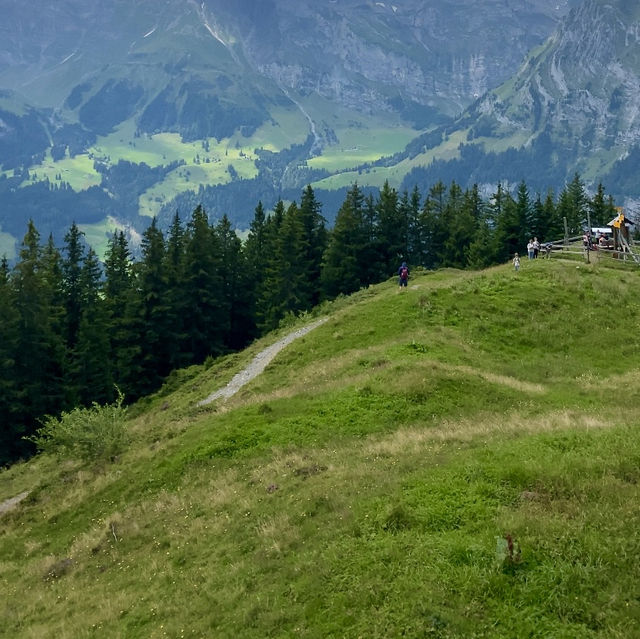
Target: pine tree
pixel 576 211
pixel 152 293
pixel 601 208
pixel 342 261
pixel 315 243
pixel 525 214
pixel 432 229
pixel 235 283
pixel 92 350
pixel 40 350
pixel 176 300
pixel 392 230
pixel 413 214
pixel 71 268
pixel 10 402
pixel 508 233
pixel 207 319
pixel 460 226
pixel 119 295
pixel 269 297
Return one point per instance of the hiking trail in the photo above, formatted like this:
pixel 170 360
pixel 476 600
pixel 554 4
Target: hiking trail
pixel 258 364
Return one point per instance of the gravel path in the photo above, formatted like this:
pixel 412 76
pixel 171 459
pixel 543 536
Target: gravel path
pixel 258 364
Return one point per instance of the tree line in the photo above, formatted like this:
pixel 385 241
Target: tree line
pixel 74 330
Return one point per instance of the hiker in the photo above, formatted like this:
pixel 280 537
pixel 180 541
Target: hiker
pixel 536 247
pixel 516 262
pixel 530 249
pixel 403 275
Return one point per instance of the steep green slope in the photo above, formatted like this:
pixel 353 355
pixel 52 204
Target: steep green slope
pixel 368 483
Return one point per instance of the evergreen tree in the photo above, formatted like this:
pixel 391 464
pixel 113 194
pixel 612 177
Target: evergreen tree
pixel 92 350
pixel 40 351
pixel 508 233
pixel 342 261
pixel 235 285
pixel 286 284
pixel 601 208
pixel 315 243
pixel 555 226
pixel 525 214
pixel 392 230
pixel 176 301
pixel 432 229
pixel 460 226
pixel 369 259
pixel 71 268
pixel 10 400
pixel 410 211
pixel 152 293
pixel 207 319
pixel 269 297
pixel 576 211
pixel 119 295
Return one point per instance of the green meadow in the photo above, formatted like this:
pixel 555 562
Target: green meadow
pixel 459 459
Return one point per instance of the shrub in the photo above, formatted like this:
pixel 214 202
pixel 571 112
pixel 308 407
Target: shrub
pixel 94 433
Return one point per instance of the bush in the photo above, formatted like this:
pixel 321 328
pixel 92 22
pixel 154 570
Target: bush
pixel 95 433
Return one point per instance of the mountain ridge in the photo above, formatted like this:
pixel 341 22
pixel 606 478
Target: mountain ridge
pixel 282 94
pixel 370 482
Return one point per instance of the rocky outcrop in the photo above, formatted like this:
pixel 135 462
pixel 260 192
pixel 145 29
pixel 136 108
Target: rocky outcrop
pixel 582 87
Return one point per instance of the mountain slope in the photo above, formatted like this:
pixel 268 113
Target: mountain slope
pixel 455 460
pixel 571 107
pixel 232 102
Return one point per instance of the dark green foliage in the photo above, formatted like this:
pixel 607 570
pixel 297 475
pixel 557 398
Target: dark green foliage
pixel 112 104
pixel 68 334
pixel 23 138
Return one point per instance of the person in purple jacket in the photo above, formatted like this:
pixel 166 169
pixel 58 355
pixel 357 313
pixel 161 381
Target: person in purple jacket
pixel 403 275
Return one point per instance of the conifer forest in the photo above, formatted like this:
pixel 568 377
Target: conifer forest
pixel 75 330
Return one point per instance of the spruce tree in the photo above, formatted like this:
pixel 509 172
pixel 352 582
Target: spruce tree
pixel 508 233
pixel 235 284
pixel 118 296
pixel 207 316
pixel 274 285
pixel 10 399
pixel 525 214
pixel 315 243
pixel 153 308
pixel 40 349
pixel 432 228
pixel 392 230
pixel 74 251
pixel 342 267
pixel 601 208
pixel 255 252
pixel 176 300
pixel 92 350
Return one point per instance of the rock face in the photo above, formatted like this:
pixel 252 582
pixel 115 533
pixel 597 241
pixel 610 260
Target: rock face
pixel 372 55
pixel 361 54
pixel 580 91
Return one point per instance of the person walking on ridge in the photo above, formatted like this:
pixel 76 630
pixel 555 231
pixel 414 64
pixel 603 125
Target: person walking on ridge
pixel 403 275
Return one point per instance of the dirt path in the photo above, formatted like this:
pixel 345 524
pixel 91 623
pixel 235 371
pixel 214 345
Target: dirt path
pixel 258 364
pixel 7 505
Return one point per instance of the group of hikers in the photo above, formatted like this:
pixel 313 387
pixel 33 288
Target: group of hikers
pixel 533 250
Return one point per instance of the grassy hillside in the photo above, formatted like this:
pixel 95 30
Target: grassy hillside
pixel 457 460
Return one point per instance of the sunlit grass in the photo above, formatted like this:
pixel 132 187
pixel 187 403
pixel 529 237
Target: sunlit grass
pixel 366 483
pixel 97 235
pixel 77 171
pixel 358 145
